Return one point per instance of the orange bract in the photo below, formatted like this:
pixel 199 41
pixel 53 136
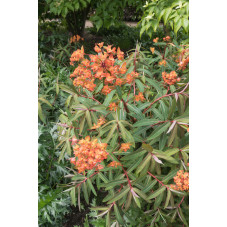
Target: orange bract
pixel 114 164
pixel 76 38
pixel 163 62
pixel 139 97
pixel 155 40
pixel 125 146
pixel 170 78
pixel 181 180
pixel 113 106
pixel 100 122
pixel 152 49
pixel 88 154
pixel 167 38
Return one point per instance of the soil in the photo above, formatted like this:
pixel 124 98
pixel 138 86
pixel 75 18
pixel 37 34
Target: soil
pixel 76 217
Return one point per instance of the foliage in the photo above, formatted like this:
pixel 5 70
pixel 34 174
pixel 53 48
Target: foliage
pixel 102 13
pixel 53 204
pixel 172 13
pixel 136 110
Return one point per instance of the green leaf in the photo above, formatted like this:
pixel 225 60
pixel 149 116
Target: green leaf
pixel 147 147
pixel 172 135
pixel 167 198
pixel 169 176
pixel 40 113
pixel 145 122
pixel 118 215
pixel 109 98
pixel 137 201
pixel 103 177
pixel 110 134
pixel 113 183
pixel 166 15
pixel 158 200
pixel 134 155
pixel 144 163
pixel 150 186
pixel 141 194
pixel 86 197
pixel 88 118
pixel 119 195
pixel 159 130
pixel 91 186
pixel 177 25
pixel 157 192
pixel 140 85
pixel 136 110
pixel 73 197
pixel 98 24
pixel 167 158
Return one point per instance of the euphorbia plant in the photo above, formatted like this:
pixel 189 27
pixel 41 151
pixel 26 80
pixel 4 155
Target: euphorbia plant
pixel 126 121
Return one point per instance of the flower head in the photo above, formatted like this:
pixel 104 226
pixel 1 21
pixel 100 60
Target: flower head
pixel 152 49
pixel 125 146
pixel 155 40
pixel 100 122
pixel 181 181
pixel 139 97
pixel 113 106
pixel 114 164
pixel 88 154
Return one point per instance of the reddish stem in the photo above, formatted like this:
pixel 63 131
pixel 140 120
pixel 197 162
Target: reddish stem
pixel 181 92
pixel 181 201
pixel 157 179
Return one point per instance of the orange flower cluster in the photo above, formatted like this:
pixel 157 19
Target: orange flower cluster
pixel 102 67
pixel 100 122
pixel 139 97
pixel 152 49
pixel 75 39
pixel 183 59
pixel 113 106
pixel 155 40
pixel 125 146
pixel 88 154
pixel 77 55
pixel 170 78
pixel 166 39
pixel 163 62
pixel 181 180
pixel 182 65
pixel 114 164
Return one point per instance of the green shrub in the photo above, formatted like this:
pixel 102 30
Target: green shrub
pixel 127 122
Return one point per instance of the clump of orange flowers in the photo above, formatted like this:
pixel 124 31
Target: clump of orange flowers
pixel 100 122
pixel 181 180
pixel 139 97
pixel 75 38
pixel 152 49
pixel 166 39
pixel 101 66
pixel 155 40
pixel 88 154
pixel 183 58
pixel 182 64
pixel 113 106
pixel 162 62
pixel 125 146
pixel 114 164
pixel 170 78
